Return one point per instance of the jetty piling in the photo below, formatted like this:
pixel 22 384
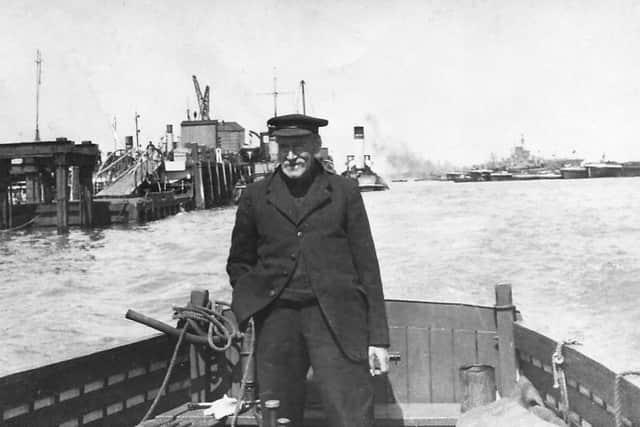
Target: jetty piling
pixel 199 193
pixel 5 196
pixel 40 171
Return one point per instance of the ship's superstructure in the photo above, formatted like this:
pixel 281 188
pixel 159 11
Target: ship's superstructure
pixel 359 169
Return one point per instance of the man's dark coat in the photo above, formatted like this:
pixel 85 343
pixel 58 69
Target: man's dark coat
pixel 330 234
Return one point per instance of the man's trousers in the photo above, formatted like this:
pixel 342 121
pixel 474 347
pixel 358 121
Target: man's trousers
pixel 291 338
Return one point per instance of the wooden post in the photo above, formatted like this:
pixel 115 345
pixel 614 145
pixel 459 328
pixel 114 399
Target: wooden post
pixel 225 185
pixel 211 184
pixel 86 196
pixel 198 187
pixel 479 386
pixel 10 206
pixel 505 313
pixel 198 358
pixel 270 417
pixel 247 363
pixel 62 200
pixel 218 187
pixel 33 187
pixel 5 180
pixel 76 192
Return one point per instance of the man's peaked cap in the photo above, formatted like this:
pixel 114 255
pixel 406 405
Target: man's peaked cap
pixel 295 125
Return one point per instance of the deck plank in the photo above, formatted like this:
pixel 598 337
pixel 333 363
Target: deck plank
pixel 418 362
pixel 464 353
pixel 398 374
pixel 442 389
pixel 388 415
pixel 440 315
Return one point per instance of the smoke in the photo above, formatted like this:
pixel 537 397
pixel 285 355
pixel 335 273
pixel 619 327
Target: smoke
pixel 395 159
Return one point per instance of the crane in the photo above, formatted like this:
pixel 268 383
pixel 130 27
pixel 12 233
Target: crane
pixel 203 100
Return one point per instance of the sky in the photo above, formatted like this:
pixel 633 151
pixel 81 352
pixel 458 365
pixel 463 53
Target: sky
pixel 443 81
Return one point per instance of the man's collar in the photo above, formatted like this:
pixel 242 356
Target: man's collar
pixel 318 193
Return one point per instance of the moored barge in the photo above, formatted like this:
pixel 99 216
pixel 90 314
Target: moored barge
pixel 603 170
pixel 574 172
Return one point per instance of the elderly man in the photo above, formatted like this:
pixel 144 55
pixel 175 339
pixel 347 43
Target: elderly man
pixel 303 264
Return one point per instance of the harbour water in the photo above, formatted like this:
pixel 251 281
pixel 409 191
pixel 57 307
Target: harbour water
pixel 570 249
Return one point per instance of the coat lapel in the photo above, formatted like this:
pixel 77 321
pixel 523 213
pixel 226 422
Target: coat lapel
pixel 316 197
pixel 278 195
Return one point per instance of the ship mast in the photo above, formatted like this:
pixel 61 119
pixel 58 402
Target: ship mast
pixel 304 106
pixel 114 126
pixel 275 94
pixel 38 82
pixel 137 116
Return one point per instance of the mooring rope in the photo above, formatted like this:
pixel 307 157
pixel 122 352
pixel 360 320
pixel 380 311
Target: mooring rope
pixel 218 328
pixel 172 363
pixel 617 396
pixel 559 377
pixel 21 226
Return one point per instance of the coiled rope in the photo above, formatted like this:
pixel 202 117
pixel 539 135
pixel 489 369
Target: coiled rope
pixel 218 325
pixel 617 396
pixel 218 328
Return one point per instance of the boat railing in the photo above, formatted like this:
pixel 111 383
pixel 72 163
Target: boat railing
pixel 590 398
pixel 110 165
pixel 111 387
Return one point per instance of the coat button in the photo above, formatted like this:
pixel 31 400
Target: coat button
pixel 272 292
pixel 285 273
pixel 293 256
pixel 299 234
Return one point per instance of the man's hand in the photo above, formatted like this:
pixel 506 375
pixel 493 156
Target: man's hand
pixel 378 360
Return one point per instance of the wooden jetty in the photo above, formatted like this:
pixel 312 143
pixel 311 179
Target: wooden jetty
pixel 35 179
pixel 52 183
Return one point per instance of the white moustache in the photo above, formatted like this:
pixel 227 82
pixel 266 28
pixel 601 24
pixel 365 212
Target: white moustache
pixel 295 162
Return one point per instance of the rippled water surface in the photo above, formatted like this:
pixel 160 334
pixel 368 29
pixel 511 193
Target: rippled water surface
pixel 571 250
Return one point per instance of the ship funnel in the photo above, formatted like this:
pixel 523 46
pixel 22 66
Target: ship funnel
pixel 358 138
pixel 169 142
pixel 273 148
pixel 128 142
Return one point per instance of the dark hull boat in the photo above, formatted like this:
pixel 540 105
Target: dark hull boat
pixel 367 179
pixel 574 172
pixel 603 170
pixel 430 344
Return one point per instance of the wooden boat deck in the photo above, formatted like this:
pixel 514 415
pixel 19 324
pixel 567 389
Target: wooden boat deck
pixel 387 415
